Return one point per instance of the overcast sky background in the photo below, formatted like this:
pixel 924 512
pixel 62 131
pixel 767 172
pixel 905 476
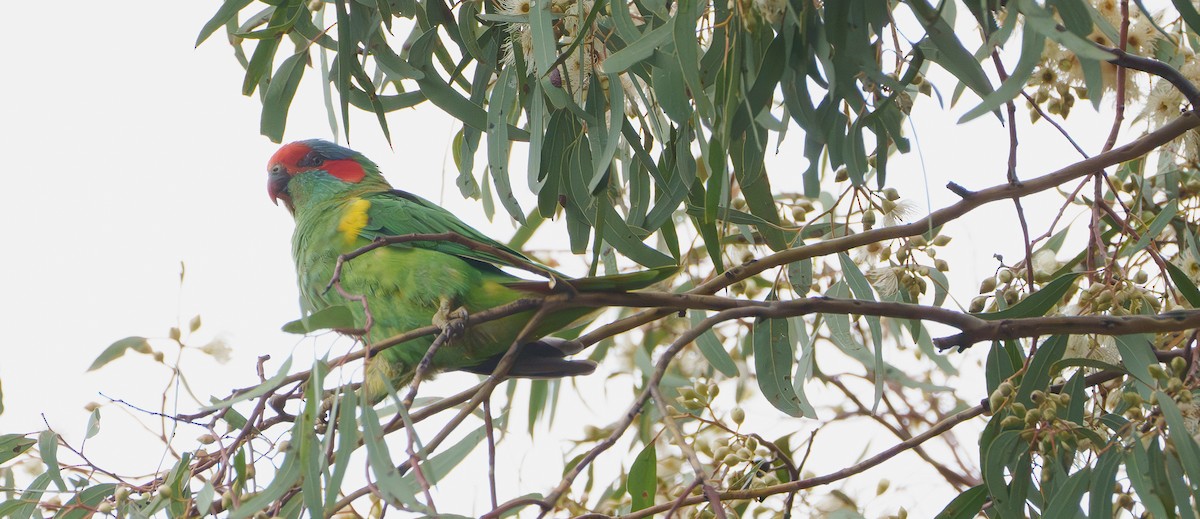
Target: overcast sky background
pixel 127 151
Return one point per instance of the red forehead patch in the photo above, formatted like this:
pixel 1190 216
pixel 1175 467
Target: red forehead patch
pixel 289 155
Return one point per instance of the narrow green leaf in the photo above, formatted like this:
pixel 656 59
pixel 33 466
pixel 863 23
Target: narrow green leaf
pixel 225 13
pixel 441 94
pixel 392 65
pixel 862 290
pixel 1179 485
pixel 348 436
pixel 1038 303
pixel 687 49
pixel 368 90
pixel 284 478
pixel 941 286
pixel 995 460
pixel 623 238
pixel 602 162
pixel 93 424
pixel 346 51
pixel 945 49
pixel 309 449
pixel 48 449
pixel 1187 10
pixel 711 348
pixel 1184 284
pixel 643 478
pixel 260 64
pixel 667 80
pixel 1185 444
pixel 800 276
pixel 204 498
pixel 539 390
pixel 332 318
pixel 1100 502
pixel 504 94
pixel 31 497
pixel 12 445
pixel 259 390
pixel 774 355
pixel 1031 53
pixel 967 505
pixel 387 478
pixel 1040 371
pixel 544 47
pixel 117 349
pixel 1064 502
pixel 638 50
pixel 83 504
pixel 1043 20
pixel 439 466
pixel 280 92
pixel 1141 477
pixel 1155 228
pixel 466 141
pixel 537 138
pixel 805 366
pixel 1137 355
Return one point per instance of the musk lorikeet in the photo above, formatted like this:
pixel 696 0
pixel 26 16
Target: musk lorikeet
pixel 341 202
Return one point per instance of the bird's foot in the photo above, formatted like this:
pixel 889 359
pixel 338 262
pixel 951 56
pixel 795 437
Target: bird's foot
pixel 452 322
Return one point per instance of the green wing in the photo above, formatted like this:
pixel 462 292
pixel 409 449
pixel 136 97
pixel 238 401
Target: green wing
pixel 396 213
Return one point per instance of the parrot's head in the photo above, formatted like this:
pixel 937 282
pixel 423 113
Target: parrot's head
pixel 315 160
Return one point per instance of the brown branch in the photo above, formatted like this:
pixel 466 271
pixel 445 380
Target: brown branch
pixel 970 201
pixel 1157 68
pixel 1080 324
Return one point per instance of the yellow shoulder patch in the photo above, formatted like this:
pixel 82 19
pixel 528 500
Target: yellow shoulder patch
pixel 353 220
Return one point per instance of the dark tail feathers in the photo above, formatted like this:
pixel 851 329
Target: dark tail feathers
pixel 544 358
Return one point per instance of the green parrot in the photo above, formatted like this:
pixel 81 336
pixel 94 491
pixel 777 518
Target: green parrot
pixel 341 202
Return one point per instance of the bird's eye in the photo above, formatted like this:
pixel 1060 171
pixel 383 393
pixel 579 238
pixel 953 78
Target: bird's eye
pixel 312 159
pixel 278 168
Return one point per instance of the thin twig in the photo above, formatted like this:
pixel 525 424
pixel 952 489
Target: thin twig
pixel 792 486
pixel 681 441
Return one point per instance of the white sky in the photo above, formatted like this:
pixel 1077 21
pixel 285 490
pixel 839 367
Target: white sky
pixel 128 151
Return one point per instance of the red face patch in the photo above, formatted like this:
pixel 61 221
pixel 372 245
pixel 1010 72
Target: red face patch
pixel 348 170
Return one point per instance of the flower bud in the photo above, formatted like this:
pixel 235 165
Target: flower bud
pixel 1178 365
pixel 988 285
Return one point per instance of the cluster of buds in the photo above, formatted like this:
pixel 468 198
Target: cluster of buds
pixel 1041 425
pixel 1059 78
pixel 697 397
pixel 800 209
pixel 911 278
pixel 731 451
pixel 1124 297
pixel 1171 380
pixel 1001 288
